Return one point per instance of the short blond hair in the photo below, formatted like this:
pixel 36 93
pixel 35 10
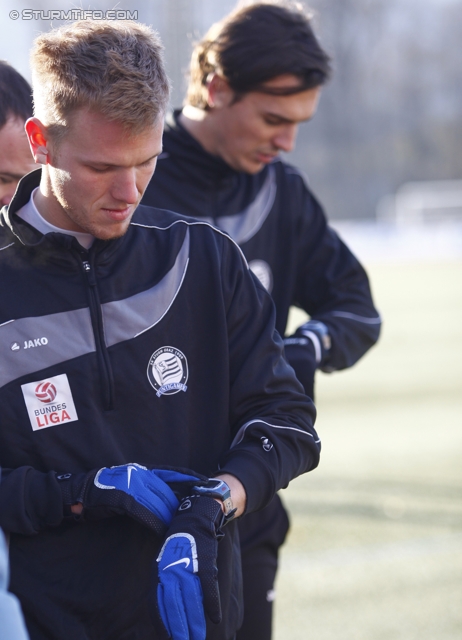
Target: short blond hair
pixel 113 67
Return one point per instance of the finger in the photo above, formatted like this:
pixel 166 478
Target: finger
pixel 171 608
pixel 182 601
pixel 192 597
pixel 169 475
pixel 212 602
pixel 155 494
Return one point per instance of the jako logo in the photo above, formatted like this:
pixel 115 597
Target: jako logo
pixel 37 342
pixel 45 392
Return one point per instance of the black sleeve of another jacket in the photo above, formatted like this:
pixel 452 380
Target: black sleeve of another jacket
pixel 333 287
pixel 271 418
pixel 29 500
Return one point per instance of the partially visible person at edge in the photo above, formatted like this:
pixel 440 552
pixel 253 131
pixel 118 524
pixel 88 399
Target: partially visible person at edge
pixel 146 402
pixel 15 107
pixel 254 78
pixel 15 161
pixel 12 625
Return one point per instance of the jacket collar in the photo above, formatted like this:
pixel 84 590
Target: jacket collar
pixel 25 187
pixel 23 231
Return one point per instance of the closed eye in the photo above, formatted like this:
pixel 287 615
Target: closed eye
pixel 100 169
pixel 274 122
pixel 149 162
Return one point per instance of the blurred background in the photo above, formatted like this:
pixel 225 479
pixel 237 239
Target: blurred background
pixel 375 550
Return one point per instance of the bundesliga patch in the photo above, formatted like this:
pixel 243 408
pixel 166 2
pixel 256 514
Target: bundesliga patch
pixel 168 371
pixel 49 402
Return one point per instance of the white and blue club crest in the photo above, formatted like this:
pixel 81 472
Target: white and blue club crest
pixel 168 371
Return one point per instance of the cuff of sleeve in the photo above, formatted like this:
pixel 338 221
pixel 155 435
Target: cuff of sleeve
pixel 254 474
pixel 44 501
pixel 29 501
pixel 316 345
pixel 319 335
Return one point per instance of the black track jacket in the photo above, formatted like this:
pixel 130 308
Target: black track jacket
pixel 82 338
pixel 283 232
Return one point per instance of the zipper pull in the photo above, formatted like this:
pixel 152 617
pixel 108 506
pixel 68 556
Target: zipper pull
pixel 89 271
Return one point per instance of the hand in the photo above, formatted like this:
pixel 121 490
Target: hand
pixel 128 489
pixel 187 569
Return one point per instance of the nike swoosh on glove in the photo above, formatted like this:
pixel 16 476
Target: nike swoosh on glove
pixel 128 489
pixel 187 569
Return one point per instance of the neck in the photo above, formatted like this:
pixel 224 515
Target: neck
pixel 200 125
pixel 49 207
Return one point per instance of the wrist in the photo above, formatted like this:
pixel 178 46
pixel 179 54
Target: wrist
pixel 76 509
pixel 238 494
pixel 227 491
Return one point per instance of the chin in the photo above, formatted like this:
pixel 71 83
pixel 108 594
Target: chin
pixel 110 234
pixel 113 236
pixel 251 166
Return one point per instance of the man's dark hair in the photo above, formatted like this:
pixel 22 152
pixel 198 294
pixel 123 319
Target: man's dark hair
pixel 254 45
pixel 15 94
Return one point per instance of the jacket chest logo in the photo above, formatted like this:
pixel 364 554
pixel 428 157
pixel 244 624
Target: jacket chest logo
pixel 49 402
pixel 29 344
pixel 168 371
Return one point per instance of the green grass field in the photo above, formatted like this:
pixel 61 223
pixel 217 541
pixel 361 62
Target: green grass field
pixel 375 551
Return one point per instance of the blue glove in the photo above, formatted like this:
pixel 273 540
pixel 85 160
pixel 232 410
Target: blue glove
pixel 187 569
pixel 128 489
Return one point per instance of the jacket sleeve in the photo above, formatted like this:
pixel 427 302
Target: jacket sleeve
pixel 29 500
pixel 271 418
pixel 333 287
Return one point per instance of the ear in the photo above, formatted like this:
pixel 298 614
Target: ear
pixel 38 140
pixel 220 93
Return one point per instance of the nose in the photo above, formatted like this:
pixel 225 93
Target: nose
pixel 125 188
pixel 284 140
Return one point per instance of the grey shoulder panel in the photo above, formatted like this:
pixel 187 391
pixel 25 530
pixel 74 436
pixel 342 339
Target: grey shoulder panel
pixel 128 318
pixel 33 344
pixel 244 225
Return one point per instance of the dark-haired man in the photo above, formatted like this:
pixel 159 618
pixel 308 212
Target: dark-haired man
pixel 15 107
pixel 254 78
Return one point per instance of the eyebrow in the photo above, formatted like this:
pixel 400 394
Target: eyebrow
pixel 286 120
pixel 115 166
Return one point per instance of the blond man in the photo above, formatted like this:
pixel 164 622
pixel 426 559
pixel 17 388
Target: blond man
pixel 145 400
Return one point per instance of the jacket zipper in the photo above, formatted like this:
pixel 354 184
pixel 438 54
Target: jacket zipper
pixel 104 364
